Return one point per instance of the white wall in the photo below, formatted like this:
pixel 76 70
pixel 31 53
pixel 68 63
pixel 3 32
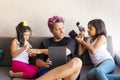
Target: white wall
pixel 36 12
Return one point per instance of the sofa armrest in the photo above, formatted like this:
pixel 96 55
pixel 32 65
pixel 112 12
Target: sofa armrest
pixel 117 58
pixel 110 46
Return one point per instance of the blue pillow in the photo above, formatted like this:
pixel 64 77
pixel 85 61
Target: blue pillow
pixel 1 53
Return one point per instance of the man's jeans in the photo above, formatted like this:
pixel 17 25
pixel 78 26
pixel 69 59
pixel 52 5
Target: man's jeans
pixel 101 71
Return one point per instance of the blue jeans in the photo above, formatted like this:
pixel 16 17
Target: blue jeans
pixel 113 76
pixel 100 72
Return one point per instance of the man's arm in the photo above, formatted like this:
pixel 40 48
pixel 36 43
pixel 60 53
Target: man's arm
pixel 68 51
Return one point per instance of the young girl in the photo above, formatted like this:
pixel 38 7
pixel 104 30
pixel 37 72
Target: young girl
pixel 97 47
pixel 20 57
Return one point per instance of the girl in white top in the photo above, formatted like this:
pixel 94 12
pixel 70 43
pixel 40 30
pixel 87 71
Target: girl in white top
pixel 20 56
pixel 97 47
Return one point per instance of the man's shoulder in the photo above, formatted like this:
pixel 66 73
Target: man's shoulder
pixel 47 41
pixel 68 39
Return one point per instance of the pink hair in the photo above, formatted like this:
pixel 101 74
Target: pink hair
pixel 53 20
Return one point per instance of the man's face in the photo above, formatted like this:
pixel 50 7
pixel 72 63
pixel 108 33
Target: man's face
pixel 58 30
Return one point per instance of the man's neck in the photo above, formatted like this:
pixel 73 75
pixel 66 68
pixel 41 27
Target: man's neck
pixel 57 40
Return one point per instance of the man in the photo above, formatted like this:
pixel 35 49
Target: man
pixel 68 71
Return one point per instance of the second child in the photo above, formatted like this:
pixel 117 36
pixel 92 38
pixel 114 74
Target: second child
pixel 97 47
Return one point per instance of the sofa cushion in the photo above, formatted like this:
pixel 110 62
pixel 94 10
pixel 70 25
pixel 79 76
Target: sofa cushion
pixel 4 73
pixel 86 58
pixel 84 71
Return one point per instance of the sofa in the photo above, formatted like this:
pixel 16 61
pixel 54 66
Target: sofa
pixel 5 61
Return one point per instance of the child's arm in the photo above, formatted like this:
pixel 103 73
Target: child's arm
pixel 93 48
pixel 81 49
pixel 38 51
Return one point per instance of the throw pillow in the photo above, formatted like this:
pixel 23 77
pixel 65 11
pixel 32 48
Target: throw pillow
pixel 1 53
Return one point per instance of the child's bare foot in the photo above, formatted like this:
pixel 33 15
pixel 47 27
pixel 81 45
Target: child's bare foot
pixel 11 73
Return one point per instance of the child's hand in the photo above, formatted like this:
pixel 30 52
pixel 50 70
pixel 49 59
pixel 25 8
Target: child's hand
pixel 81 35
pixel 78 39
pixel 32 54
pixel 34 51
pixel 30 51
pixel 27 47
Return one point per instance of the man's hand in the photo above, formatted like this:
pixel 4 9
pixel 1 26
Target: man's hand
pixel 48 63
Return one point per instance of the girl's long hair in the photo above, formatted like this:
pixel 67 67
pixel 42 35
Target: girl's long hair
pixel 20 29
pixel 99 26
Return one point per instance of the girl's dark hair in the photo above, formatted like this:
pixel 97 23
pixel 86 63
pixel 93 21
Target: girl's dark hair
pixel 100 27
pixel 20 29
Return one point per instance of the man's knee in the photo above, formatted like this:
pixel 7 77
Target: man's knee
pixel 76 62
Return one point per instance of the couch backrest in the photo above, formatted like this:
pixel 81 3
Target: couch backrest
pixel 5 43
pixel 35 42
pixel 5 46
pixel 110 46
